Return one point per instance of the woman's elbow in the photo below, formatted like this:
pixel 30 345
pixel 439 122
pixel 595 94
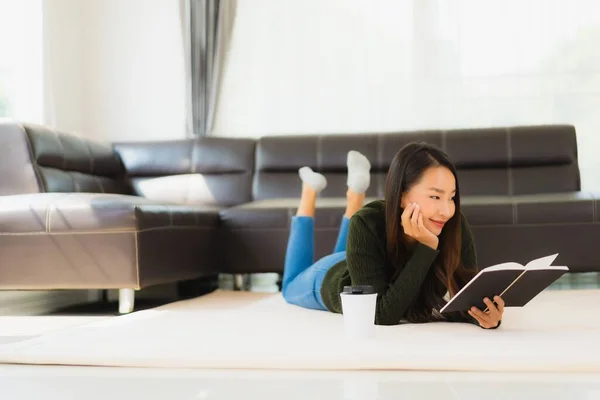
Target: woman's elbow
pixel 385 320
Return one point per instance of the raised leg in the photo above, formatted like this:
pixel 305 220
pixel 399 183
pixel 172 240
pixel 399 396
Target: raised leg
pixel 126 300
pixel 299 254
pixel 354 203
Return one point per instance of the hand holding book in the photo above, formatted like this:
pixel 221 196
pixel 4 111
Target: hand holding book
pixel 514 283
pixel 491 317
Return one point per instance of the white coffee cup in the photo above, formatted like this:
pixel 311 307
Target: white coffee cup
pixel 358 308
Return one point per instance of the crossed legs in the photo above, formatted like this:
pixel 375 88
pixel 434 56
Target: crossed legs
pixel 302 277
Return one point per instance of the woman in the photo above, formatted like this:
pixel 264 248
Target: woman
pixel 414 247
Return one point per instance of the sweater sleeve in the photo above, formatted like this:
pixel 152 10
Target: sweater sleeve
pixel 366 262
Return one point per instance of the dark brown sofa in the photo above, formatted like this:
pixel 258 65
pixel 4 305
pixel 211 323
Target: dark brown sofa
pixel 77 214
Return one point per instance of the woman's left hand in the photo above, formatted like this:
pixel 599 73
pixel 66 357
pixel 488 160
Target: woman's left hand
pixel 492 317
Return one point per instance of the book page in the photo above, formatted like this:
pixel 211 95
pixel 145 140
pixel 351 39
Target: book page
pixel 504 266
pixel 541 263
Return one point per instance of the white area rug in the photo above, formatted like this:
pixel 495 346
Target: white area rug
pixel 558 331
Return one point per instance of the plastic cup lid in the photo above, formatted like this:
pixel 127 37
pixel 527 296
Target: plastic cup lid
pixel 359 289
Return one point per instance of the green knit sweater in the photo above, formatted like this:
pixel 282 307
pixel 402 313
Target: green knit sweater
pixel 366 264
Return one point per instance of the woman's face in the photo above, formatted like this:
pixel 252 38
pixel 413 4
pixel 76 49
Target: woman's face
pixel 434 193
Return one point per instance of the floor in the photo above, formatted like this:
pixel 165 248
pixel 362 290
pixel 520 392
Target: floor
pixel 53 382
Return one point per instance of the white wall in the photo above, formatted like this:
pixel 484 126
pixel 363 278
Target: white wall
pixel 309 66
pixel 116 68
pixel 63 64
pixel 21 58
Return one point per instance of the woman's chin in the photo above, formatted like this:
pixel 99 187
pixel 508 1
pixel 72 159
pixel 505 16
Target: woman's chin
pixel 437 231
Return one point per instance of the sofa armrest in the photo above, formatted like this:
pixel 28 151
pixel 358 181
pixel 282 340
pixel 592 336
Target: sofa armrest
pixel 18 172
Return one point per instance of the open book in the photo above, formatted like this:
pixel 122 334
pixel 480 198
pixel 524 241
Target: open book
pixel 514 283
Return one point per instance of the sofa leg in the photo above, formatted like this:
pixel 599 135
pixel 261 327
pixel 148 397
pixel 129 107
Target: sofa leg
pixel 240 282
pixel 126 300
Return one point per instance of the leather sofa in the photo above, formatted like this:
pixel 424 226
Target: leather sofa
pixel 80 214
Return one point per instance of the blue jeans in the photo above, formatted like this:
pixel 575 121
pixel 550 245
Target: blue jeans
pixel 302 279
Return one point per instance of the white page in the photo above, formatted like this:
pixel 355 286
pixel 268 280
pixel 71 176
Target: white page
pixel 541 263
pixel 504 266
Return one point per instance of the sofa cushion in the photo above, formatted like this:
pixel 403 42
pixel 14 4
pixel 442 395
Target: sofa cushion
pixel 211 170
pixel 277 213
pixel 557 208
pixel 94 212
pixel 68 163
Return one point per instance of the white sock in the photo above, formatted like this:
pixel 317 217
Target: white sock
pixel 359 176
pixel 313 179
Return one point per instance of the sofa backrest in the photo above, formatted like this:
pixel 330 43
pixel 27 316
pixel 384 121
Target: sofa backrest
pixel 38 159
pixel 212 171
pixel 231 171
pixel 490 161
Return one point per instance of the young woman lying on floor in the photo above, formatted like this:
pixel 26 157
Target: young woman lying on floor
pixel 414 247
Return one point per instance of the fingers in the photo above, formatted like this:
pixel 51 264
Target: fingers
pixel 500 304
pixel 480 316
pixel 406 215
pixel 415 216
pixel 492 309
pixel 420 223
pixel 479 320
pixel 490 318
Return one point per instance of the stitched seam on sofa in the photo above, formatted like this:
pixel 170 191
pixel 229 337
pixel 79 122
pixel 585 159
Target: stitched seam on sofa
pixel 47 225
pixel 278 229
pixel 84 286
pixel 536 224
pixel 34 164
pixel 62 150
pixel 76 186
pixel 51 207
pixel 137 258
pixel 89 151
pixel 593 209
pixel 105 232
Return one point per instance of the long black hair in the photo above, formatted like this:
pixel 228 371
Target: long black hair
pixel 405 171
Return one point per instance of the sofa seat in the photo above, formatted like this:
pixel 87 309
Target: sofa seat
pixel 256 233
pixel 506 228
pixel 92 240
pixel 522 228
pixel 555 208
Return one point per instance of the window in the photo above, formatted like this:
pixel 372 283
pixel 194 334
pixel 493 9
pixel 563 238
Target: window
pixel 21 55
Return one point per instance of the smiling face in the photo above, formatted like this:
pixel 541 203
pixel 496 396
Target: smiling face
pixel 434 193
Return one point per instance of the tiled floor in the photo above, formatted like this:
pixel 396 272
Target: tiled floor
pixel 54 383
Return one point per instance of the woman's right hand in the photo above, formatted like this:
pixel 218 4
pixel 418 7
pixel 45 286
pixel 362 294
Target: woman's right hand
pixel 412 222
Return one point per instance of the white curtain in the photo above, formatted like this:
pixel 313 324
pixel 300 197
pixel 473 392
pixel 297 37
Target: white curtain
pixel 21 66
pixel 206 28
pixel 308 66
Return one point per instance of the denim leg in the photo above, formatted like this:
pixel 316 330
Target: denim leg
pixel 305 289
pixel 300 249
pixel 340 244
